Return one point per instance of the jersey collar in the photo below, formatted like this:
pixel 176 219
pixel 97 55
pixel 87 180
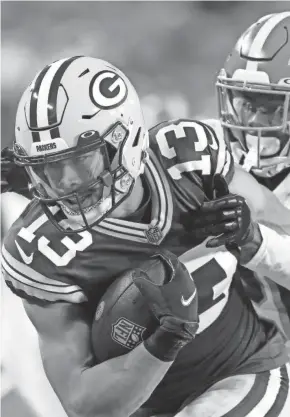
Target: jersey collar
pixel 161 216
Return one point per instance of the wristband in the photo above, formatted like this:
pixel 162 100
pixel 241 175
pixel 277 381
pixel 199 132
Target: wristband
pixel 165 345
pixel 250 249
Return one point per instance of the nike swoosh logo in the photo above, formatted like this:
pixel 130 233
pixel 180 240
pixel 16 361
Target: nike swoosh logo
pixel 26 259
pixel 187 302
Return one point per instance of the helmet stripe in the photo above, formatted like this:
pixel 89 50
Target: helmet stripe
pixel 52 97
pixel 43 112
pixel 33 103
pixel 43 104
pixel 262 36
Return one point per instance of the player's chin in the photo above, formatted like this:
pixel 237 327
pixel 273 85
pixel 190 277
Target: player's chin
pixel 91 200
pixel 85 204
pixel 85 200
pixel 269 145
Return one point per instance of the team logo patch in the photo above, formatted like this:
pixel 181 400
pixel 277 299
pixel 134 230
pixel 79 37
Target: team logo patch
pixel 127 333
pixel 108 90
pixel 153 235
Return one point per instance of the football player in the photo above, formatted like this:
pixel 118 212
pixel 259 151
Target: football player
pixel 254 94
pixel 107 196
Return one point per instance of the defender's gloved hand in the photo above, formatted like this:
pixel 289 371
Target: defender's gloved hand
pixel 174 303
pixel 13 177
pixel 227 217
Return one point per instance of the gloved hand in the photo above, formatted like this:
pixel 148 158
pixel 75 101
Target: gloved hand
pixel 227 217
pixel 13 177
pixel 174 303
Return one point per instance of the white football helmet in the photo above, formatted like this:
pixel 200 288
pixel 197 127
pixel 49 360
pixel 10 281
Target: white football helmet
pixel 254 95
pixel 80 134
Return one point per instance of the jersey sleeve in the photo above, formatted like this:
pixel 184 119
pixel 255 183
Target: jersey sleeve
pixel 27 283
pixel 192 152
pixel 272 259
pixel 192 146
pixel 224 155
pixel 29 274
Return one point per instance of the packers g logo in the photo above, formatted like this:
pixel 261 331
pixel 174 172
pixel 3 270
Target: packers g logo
pixel 108 90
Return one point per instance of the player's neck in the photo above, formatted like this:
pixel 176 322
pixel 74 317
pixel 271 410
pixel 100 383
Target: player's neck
pixel 132 203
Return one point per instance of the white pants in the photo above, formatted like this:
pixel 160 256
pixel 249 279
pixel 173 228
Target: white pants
pixel 266 394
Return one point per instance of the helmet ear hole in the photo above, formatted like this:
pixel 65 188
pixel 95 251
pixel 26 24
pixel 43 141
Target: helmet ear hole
pixel 87 137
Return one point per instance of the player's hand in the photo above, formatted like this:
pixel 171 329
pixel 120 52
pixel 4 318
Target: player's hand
pixel 227 217
pixel 175 302
pixel 13 177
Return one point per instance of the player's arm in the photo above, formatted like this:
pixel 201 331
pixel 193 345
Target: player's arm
pixel 13 177
pixel 14 190
pixel 235 218
pixel 228 218
pixel 264 205
pixel 8 216
pixel 119 386
pixel 271 251
pixel 112 388
pixel 272 259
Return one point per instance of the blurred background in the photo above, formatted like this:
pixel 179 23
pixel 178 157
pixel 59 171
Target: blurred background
pixel 171 51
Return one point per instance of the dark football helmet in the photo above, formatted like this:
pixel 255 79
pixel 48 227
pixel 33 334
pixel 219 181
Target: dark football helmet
pixel 254 93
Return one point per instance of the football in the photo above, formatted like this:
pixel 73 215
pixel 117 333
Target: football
pixel 123 319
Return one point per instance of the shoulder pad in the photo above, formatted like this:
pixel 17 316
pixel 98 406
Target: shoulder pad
pixel 29 263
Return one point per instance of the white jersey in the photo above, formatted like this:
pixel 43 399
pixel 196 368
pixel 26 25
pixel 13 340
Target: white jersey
pixel 270 300
pixel 282 192
pixel 275 301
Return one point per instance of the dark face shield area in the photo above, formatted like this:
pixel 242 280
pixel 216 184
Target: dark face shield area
pixel 260 110
pixel 254 109
pixel 77 182
pixel 263 116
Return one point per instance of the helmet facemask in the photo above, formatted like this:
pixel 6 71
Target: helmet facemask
pixel 258 116
pixel 87 181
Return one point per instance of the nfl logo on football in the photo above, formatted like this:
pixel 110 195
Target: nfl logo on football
pixel 127 333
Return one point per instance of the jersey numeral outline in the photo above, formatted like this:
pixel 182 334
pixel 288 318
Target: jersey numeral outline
pixel 213 273
pixel 44 244
pixel 203 164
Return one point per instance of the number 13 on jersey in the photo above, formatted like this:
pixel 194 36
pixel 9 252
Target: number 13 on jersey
pixel 197 140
